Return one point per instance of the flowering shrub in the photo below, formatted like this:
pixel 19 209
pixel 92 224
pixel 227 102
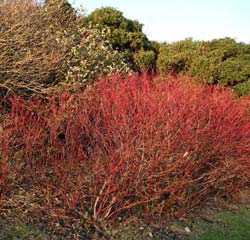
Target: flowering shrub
pixel 127 144
pixel 92 56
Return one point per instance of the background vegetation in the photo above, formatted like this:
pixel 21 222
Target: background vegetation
pixel 220 61
pixel 57 46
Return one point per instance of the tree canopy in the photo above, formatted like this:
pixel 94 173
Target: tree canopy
pixel 126 35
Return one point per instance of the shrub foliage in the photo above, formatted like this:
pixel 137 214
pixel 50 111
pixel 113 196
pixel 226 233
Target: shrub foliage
pixel 220 61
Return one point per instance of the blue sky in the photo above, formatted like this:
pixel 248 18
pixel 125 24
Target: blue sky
pixel 173 20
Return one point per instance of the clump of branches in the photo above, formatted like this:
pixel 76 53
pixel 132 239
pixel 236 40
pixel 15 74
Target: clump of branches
pixel 43 45
pixel 31 56
pixel 127 146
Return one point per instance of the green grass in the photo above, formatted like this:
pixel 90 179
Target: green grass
pixel 223 226
pixel 20 231
pixel 229 227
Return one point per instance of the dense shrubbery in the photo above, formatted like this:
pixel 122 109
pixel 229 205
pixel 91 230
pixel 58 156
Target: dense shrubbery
pixel 43 46
pixel 223 61
pixel 176 57
pixel 127 144
pixel 145 60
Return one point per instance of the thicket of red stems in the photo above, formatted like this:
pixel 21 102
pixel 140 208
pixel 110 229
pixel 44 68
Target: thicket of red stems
pixel 128 146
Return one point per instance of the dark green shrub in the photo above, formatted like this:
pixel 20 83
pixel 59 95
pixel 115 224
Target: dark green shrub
pixel 242 88
pixel 220 61
pixel 176 57
pixel 145 59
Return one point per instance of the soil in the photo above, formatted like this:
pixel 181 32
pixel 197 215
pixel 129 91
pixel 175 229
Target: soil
pixel 26 208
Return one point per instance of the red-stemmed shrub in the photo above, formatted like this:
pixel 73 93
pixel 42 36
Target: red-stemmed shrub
pixel 128 144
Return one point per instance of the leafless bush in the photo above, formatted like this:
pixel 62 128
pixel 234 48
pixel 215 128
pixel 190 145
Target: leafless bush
pixel 45 44
pixel 31 57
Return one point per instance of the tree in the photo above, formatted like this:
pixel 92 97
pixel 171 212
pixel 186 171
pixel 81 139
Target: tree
pixel 126 35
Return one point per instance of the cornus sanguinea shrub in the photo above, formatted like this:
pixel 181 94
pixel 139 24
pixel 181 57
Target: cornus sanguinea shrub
pixel 127 146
